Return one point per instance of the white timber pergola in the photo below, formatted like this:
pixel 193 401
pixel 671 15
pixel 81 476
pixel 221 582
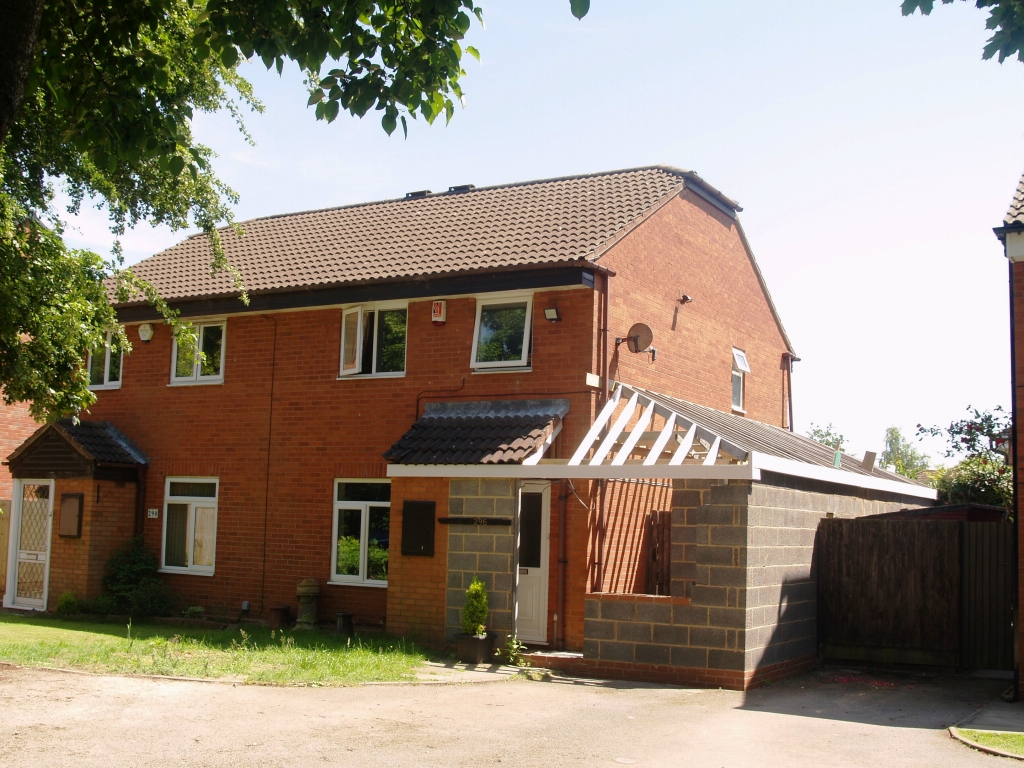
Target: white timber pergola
pixel 672 439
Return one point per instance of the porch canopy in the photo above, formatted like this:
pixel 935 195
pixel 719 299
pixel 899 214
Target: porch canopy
pixel 639 434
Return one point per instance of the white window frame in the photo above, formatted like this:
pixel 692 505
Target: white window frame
pixel 375 307
pixel 740 368
pixel 508 298
pixel 192 501
pixel 364 531
pixel 107 384
pixel 197 377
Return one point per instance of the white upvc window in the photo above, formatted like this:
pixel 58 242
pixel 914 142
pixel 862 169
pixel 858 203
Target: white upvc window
pixel 190 369
pixel 501 336
pixel 360 533
pixel 190 525
pixel 373 339
pixel 104 365
pixel 740 367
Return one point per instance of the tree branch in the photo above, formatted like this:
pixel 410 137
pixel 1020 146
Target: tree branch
pixel 17 46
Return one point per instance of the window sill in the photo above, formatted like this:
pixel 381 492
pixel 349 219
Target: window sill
pixel 361 376
pixel 185 572
pixel 740 411
pixel 517 369
pixel 373 584
pixel 205 383
pixel 104 387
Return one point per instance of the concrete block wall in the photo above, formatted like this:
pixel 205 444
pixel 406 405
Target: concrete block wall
pixel 481 551
pixel 781 577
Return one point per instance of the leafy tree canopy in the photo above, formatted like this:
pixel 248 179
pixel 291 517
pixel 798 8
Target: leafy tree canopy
pixel 982 433
pixel 1005 18
pixel 827 436
pixel 978 480
pixel 97 96
pixel 901 455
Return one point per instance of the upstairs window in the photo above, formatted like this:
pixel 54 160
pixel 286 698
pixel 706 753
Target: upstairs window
pixel 104 365
pixel 740 368
pixel 501 338
pixel 373 340
pixel 189 369
pixel 190 525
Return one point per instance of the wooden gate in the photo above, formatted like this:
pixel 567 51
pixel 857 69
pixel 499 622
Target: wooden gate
pixel 916 592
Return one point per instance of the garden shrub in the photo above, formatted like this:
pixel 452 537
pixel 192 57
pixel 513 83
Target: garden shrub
pixel 474 612
pixel 982 479
pixel 132 581
pixel 67 605
pixel 194 612
pixel 104 605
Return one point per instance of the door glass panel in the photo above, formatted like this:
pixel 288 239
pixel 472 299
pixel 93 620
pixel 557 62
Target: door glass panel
pixel 213 338
pixel 30 580
pixel 502 330
pixel 201 490
pixel 35 517
pixel 530 530
pixel 391 341
pixel 175 550
pixel 204 531
pixel 377 544
pixel 96 362
pixel 349 525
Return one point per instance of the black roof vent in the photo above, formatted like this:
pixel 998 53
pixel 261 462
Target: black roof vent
pixel 417 195
pixel 462 188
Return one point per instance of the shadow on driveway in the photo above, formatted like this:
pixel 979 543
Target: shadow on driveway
pixel 899 699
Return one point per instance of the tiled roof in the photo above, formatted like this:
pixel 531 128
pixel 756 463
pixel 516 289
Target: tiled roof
pixel 484 432
pixel 1016 213
pixel 102 441
pixel 532 223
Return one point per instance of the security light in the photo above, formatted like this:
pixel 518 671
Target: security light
pixel 551 313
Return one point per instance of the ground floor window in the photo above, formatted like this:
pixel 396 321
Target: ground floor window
pixel 362 519
pixel 190 524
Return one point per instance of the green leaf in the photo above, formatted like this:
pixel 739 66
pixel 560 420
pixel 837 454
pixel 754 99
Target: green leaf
pixel 405 127
pixel 229 56
pixel 473 52
pixel 176 164
pixel 389 122
pixel 579 8
pixel 315 98
pixel 331 109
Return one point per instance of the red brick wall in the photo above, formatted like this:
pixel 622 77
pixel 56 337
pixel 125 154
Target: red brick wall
pixel 625 570
pixel 416 585
pixel 1017 272
pixel 323 428
pixel 690 247
pixel 16 426
pixel 108 521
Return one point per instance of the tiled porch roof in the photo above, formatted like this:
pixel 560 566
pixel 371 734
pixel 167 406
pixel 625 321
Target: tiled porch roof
pixel 481 432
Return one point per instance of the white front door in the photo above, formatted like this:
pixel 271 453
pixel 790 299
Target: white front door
pixel 534 541
pixel 28 570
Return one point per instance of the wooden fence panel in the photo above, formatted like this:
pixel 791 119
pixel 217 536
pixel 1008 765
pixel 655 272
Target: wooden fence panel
pixel 889 590
pixel 986 566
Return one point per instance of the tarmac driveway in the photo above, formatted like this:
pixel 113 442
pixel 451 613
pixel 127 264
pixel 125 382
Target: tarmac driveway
pixel 829 717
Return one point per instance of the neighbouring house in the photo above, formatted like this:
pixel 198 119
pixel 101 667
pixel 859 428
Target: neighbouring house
pixel 576 389
pixel 1011 233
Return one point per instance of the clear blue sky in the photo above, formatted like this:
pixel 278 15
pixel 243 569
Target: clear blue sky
pixel 872 154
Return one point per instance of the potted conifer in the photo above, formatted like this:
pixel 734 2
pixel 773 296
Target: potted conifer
pixel 476 644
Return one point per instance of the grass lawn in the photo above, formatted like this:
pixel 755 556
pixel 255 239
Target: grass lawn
pixel 1007 742
pixel 255 655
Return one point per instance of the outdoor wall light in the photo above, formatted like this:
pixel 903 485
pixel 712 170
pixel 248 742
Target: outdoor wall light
pixel 551 313
pixel 145 332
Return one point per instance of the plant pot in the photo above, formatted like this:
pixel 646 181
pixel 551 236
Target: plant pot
pixel 476 649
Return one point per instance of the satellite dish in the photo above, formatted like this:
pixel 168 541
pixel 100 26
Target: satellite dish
pixel 640 337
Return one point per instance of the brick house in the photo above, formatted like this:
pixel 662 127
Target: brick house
pixel 577 389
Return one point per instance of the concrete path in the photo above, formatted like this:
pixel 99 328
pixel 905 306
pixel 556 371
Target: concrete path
pixel 998 716
pixel 829 717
